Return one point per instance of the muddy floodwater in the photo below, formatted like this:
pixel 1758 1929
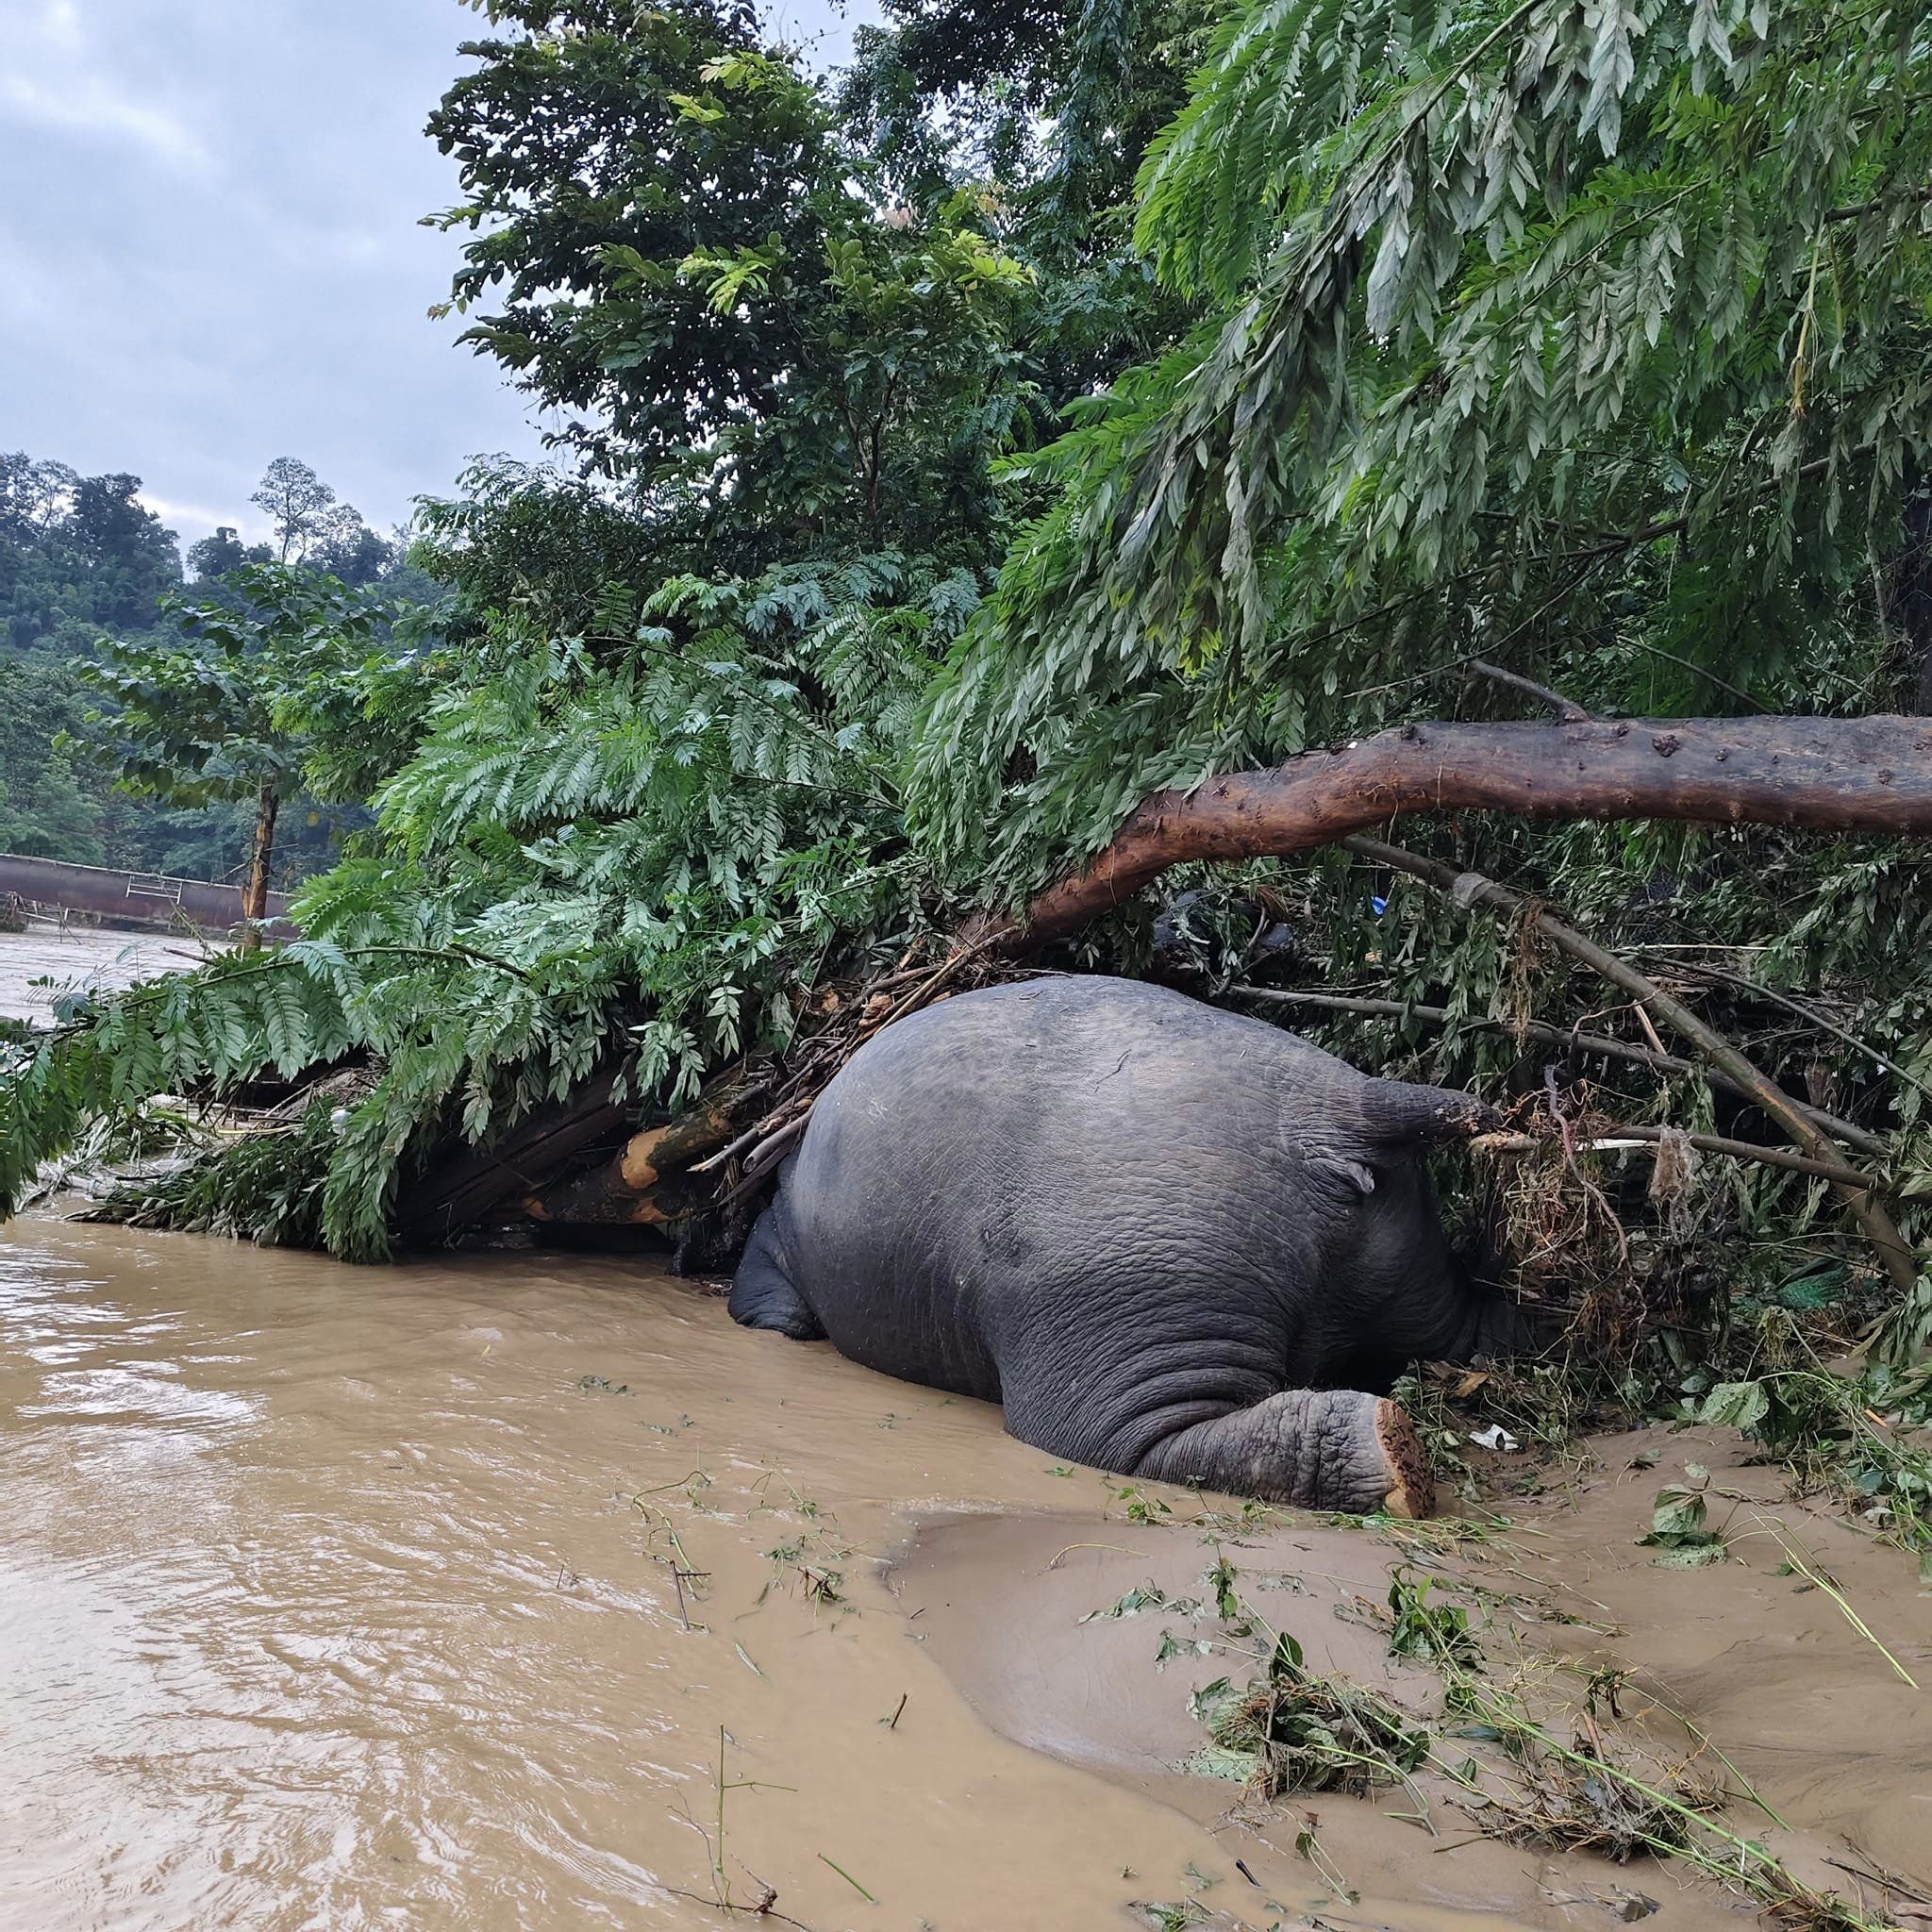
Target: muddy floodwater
pixel 520 1591
pixel 37 966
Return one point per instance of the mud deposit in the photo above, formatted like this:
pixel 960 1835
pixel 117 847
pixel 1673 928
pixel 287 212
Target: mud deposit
pixel 438 1596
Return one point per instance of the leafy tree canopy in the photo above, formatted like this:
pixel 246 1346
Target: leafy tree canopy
pixel 217 711
pixel 1593 341
pixel 76 550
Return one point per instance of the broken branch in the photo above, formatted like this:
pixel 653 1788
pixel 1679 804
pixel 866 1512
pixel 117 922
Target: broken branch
pixel 1567 709
pixel 1610 1138
pixel 1599 1045
pixel 1473 889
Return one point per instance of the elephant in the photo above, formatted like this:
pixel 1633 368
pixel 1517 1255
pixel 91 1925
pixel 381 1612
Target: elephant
pixel 1175 1242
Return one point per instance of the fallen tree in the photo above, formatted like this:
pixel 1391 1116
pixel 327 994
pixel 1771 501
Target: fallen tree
pixel 1842 775
pixel 1836 775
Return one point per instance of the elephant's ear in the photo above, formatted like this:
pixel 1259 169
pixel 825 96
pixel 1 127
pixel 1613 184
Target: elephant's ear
pixel 1395 1113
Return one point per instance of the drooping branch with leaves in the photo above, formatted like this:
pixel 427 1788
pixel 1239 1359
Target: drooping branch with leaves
pixel 956 542
pixel 1589 342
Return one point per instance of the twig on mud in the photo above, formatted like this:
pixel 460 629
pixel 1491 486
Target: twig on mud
pixel 765 1910
pixel 1821 1579
pixel 1566 1793
pixel 849 1878
pixel 677 1576
pixel 1121 1548
pixel 1875 1873
pixel 1704 1742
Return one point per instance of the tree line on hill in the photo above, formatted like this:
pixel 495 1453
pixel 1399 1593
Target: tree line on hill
pixel 86 567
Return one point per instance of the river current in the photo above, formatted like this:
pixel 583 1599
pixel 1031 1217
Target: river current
pixel 526 1593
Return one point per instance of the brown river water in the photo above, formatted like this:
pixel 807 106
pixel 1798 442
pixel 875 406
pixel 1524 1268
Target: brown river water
pixel 450 1595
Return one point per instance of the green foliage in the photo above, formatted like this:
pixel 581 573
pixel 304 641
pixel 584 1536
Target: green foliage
pixel 645 841
pixel 215 713
pixel 1429 1630
pixel 77 552
pixel 1589 341
pixel 1566 338
pixel 46 809
pixel 1862 1436
pixel 267 1186
pixel 80 556
pixel 1292 1730
pixel 1679 1526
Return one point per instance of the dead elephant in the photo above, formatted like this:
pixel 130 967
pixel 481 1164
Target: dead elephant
pixel 1174 1242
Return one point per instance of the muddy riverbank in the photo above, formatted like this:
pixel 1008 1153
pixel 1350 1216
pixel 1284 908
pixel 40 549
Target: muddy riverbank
pixel 431 1596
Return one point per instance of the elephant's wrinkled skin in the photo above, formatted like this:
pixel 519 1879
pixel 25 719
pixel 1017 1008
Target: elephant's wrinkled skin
pixel 1174 1242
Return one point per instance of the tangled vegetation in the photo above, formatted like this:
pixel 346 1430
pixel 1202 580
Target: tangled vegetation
pixel 1521 1753
pixel 1062 405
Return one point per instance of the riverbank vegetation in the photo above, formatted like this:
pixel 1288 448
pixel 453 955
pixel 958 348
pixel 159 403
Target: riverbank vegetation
pixel 1062 408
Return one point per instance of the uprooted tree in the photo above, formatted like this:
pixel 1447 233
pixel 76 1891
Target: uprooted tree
pixel 972 528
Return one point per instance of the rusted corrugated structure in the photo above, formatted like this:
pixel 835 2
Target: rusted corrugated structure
pixel 138 898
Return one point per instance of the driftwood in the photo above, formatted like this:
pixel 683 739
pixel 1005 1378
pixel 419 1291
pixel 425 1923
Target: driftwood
pixel 459 1189
pixel 1868 774
pixel 1471 889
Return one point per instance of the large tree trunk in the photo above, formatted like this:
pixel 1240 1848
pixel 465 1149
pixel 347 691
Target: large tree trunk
pixel 1868 774
pixel 645 1185
pixel 467 1183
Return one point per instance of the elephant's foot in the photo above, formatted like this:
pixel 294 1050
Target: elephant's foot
pixel 1414 1490
pixel 1321 1449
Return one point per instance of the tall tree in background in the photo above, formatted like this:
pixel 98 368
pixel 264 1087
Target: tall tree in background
pixel 223 553
pixel 217 712
pixel 304 512
pixel 76 550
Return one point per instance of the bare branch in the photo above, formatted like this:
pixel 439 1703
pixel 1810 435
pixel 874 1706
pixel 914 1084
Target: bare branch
pixel 1600 1044
pixel 1567 709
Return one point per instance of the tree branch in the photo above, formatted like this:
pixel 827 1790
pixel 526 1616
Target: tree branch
pixel 1567 709
pixel 1868 774
pixel 1473 889
pixel 1609 1138
pixel 1601 1044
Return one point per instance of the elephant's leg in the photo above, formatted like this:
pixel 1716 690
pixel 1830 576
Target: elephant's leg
pixel 1322 1449
pixel 762 1293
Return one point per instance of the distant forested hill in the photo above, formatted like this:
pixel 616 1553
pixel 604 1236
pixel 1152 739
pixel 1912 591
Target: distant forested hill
pixel 81 557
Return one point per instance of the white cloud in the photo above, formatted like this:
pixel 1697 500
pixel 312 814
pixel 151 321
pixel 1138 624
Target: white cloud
pixel 51 78
pixel 209 249
pixel 191 523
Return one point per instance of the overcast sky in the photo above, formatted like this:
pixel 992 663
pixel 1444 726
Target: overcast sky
pixel 209 248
